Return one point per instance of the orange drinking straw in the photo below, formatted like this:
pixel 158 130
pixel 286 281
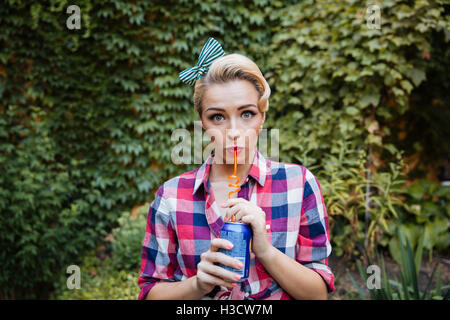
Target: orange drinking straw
pixel 234 176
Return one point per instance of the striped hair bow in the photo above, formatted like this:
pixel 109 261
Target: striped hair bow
pixel 210 52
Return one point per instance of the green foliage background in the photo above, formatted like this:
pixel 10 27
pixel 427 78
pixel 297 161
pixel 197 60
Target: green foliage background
pixel 86 115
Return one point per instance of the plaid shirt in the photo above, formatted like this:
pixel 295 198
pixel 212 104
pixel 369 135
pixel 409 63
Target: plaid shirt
pixel 184 218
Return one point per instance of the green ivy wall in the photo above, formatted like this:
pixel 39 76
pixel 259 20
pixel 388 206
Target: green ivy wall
pixel 86 115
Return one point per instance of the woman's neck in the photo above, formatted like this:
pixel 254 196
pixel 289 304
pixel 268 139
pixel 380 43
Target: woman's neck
pixel 220 172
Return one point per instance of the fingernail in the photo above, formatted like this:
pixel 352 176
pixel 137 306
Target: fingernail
pixel 237 277
pixel 240 265
pixel 230 246
pixel 234 284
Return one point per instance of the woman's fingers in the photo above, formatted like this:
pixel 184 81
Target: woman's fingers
pixel 237 207
pixel 209 272
pixel 219 257
pixel 248 219
pixel 232 211
pixel 214 256
pixel 240 212
pixel 240 208
pixel 220 272
pixel 212 280
pixel 218 243
pixel 222 258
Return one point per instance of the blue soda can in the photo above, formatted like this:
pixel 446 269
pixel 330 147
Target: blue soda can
pixel 240 235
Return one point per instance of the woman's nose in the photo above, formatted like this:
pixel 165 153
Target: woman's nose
pixel 233 134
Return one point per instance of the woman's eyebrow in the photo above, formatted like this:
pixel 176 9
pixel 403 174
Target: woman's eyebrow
pixel 241 107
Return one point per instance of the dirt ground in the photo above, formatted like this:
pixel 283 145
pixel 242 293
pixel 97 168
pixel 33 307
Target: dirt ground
pixel 345 289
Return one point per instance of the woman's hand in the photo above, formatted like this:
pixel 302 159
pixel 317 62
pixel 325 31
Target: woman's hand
pixel 210 275
pixel 249 213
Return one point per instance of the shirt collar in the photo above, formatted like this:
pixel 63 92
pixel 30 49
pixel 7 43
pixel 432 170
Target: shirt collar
pixel 258 171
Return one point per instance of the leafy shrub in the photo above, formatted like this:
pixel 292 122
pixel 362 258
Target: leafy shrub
pixel 100 280
pixel 115 275
pixel 408 287
pixel 356 223
pixel 426 213
pixel 40 227
pixel 127 240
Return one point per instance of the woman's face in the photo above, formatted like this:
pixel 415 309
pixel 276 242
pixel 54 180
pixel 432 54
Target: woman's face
pixel 231 117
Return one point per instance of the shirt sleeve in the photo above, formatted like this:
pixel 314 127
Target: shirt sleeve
pixel 159 247
pixel 314 235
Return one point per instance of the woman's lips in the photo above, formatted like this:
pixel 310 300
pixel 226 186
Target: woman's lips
pixel 231 150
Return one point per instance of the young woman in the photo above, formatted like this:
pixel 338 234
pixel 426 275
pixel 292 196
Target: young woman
pixel 282 203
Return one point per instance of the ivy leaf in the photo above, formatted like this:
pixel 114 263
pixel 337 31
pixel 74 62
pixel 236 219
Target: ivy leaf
pixel 369 99
pixel 417 76
pixel 351 111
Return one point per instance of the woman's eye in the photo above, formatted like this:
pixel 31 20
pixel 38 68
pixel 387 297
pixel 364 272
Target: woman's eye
pixel 248 113
pixel 219 117
pixel 216 117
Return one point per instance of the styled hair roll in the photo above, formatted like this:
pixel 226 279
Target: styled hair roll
pixel 228 68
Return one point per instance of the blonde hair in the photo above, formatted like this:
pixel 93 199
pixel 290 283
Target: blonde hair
pixel 228 68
